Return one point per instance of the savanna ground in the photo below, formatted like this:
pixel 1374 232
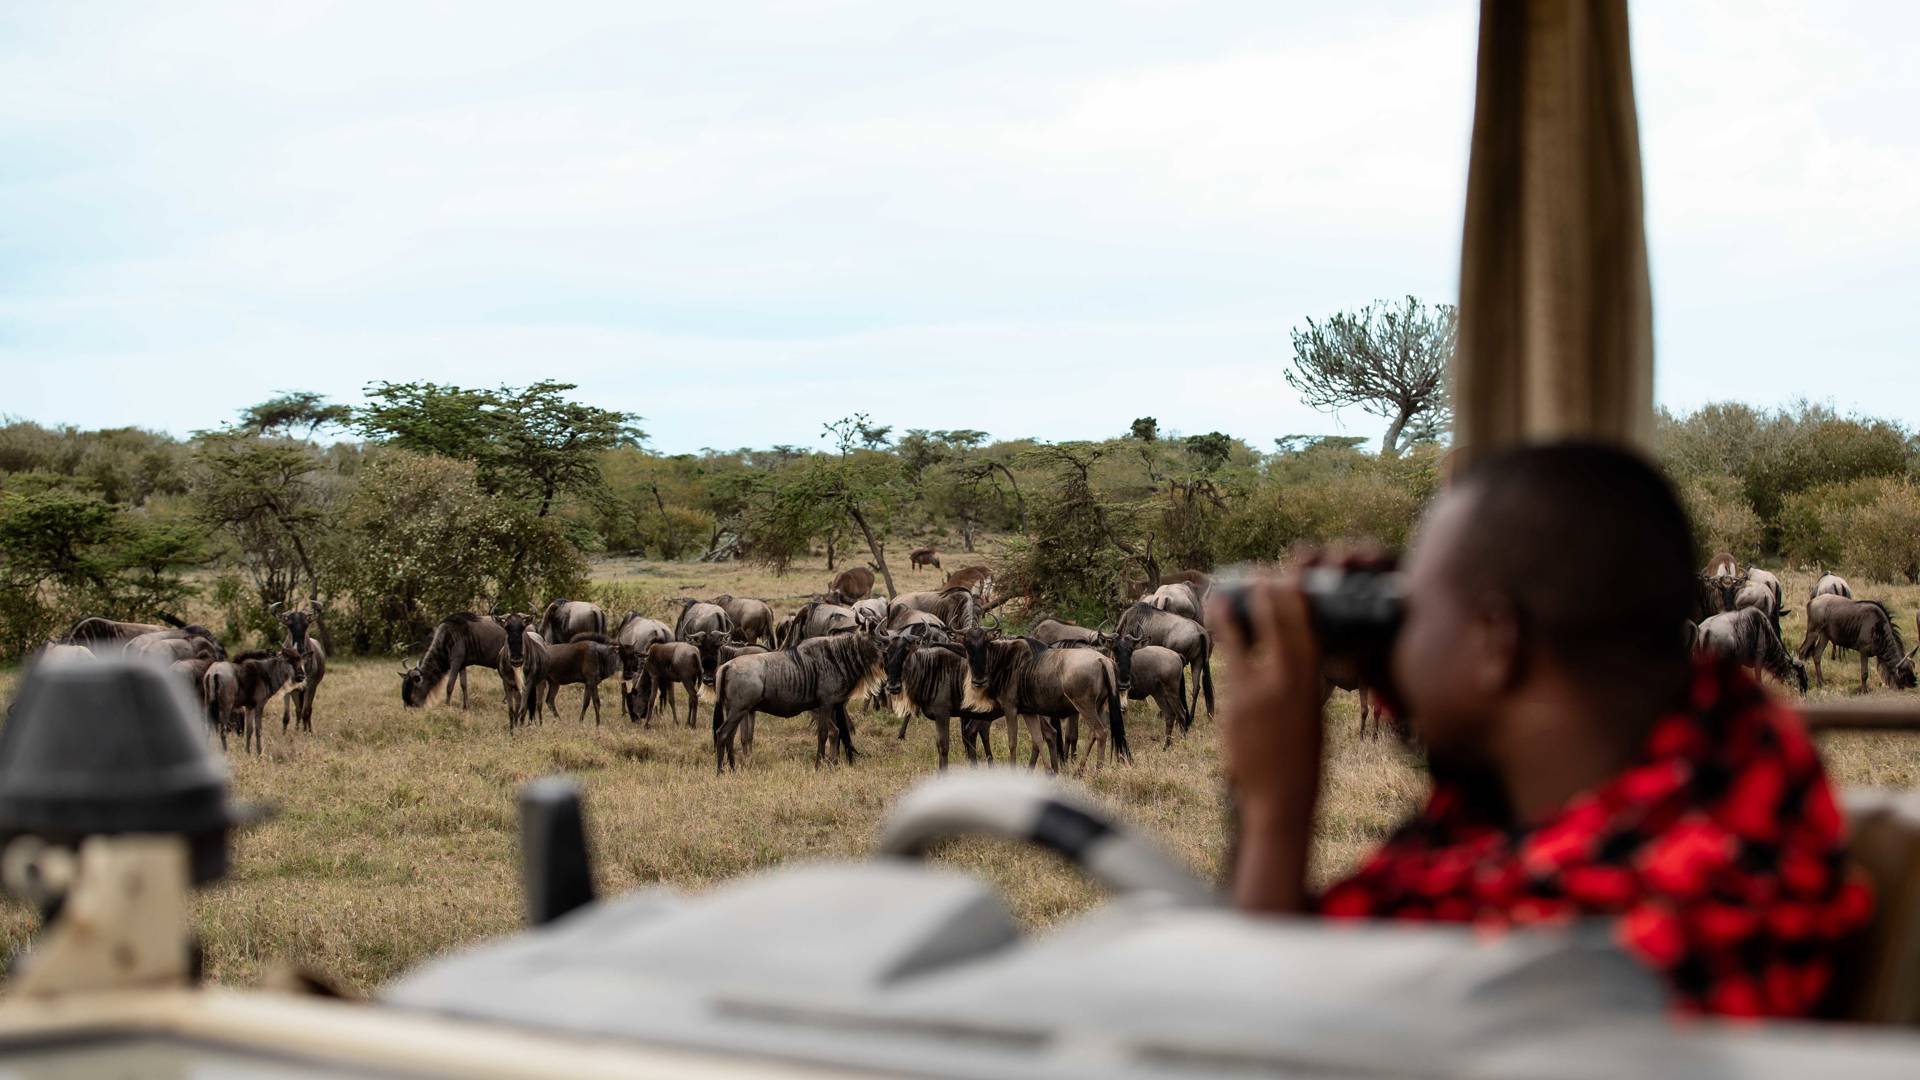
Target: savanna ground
pixel 396 836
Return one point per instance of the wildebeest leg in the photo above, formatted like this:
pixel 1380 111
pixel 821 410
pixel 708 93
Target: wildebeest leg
pixel 942 731
pixel 1070 737
pixel 286 708
pixel 1037 732
pixel 673 706
pixel 821 731
pixel 590 695
pixel 746 738
pixel 1096 742
pixel 693 700
pixel 1863 672
pixel 903 727
pixel 463 690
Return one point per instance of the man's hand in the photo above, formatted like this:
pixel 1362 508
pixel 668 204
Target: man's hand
pixel 1273 733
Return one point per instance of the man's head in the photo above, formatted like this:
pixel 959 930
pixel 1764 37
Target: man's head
pixel 1571 563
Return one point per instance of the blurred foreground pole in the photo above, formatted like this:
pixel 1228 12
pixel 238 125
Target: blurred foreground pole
pixel 1556 316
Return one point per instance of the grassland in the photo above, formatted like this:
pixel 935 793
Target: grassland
pixel 396 833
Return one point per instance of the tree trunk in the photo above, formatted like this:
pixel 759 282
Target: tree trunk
pixel 966 534
pixel 829 552
pixel 873 545
pixel 1390 442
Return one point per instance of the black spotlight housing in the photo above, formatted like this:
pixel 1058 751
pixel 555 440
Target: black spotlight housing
pixel 116 746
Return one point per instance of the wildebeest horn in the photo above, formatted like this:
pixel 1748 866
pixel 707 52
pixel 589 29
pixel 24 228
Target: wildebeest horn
pixel 995 620
pixel 274 608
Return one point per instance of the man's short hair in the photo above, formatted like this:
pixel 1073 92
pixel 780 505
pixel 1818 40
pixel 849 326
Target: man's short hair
pixel 1592 548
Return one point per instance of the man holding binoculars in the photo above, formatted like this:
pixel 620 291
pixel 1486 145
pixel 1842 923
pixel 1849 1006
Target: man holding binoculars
pixel 1584 764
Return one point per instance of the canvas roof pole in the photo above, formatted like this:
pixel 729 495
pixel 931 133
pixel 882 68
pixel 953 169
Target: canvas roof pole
pixel 1556 314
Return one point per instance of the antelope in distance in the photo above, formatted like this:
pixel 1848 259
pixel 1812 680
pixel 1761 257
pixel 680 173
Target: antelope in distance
pixel 922 557
pixel 978 579
pixel 853 583
pixel 298 700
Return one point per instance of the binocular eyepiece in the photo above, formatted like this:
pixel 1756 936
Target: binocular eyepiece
pixel 1356 613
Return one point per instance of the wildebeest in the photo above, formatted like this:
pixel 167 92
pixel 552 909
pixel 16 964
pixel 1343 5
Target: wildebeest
pixel 1714 595
pixel 853 583
pixel 460 641
pixel 1054 631
pixel 871 613
pixel 633 636
pixel 1179 598
pixel 1023 677
pixel 1153 671
pixel 298 702
pixel 244 685
pixel 923 556
pixel 665 665
pixel 1179 633
pixel 565 620
pixel 699 616
pixel 906 618
pixel 1831 585
pixel 715 649
pixel 97 633
pixel 586 660
pixel 1762 591
pixel 816 618
pixel 959 608
pixel 166 646
pixel 931 679
pixel 193 671
pixel 752 619
pixel 816 676
pixel 1723 564
pixel 1343 674
pixel 519 675
pixel 1746 637
pixel 1865 626
pixel 978 578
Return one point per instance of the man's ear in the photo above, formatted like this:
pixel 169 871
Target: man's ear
pixel 1499 654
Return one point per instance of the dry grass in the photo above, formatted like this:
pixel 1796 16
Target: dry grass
pixel 396 837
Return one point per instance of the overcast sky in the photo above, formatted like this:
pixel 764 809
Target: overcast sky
pixel 742 219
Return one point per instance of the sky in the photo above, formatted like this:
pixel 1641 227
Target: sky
pixel 740 220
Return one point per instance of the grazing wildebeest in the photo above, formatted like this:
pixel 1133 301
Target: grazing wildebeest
pixel 460 641
pixel 1831 585
pixel 871 613
pixel 1181 634
pixel 853 583
pixel 817 618
pixel 959 608
pixel 752 619
pixel 244 685
pixel 517 664
pixel 1025 678
pixel 1723 564
pixel 565 620
pixel 665 665
pixel 298 702
pixel 1866 627
pixel 699 616
pixel 1179 598
pixel 716 649
pixel 635 633
pixel 103 634
pixel 978 578
pixel 931 679
pixel 816 676
pixel 586 661
pixel 1746 637
pixel 923 556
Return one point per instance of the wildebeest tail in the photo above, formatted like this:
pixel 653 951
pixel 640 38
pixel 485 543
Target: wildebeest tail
pixel 171 619
pixel 845 726
pixel 719 701
pixel 1186 715
pixel 1116 717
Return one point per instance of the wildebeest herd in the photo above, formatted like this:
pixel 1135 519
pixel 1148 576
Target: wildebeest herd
pixel 939 654
pixel 1738 613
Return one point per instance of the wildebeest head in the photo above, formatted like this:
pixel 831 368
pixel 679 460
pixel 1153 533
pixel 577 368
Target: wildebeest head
pixel 708 643
pixel 1122 646
pixel 291 656
pixel 413 691
pixel 297 622
pixel 516 625
pixel 977 638
pixel 895 648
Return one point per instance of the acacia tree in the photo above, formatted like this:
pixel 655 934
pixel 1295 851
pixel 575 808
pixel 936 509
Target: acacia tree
pixel 1391 361
pixel 294 410
pixel 270 498
pixel 816 495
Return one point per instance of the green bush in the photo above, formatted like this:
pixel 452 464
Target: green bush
pixel 1880 539
pixel 1722 519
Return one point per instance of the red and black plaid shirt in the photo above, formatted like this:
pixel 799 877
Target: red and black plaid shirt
pixel 1719 851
